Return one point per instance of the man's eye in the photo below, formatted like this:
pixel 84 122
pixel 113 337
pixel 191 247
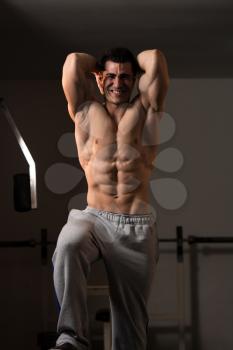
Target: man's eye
pixel 125 76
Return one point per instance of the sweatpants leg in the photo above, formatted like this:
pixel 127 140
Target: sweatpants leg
pixel 77 248
pixel 128 245
pixel 130 259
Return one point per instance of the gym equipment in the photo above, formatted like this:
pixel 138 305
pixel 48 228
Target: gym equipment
pixel 25 191
pixel 32 243
pixel 47 339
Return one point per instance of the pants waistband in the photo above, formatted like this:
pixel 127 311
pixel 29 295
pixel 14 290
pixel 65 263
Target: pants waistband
pixel 124 218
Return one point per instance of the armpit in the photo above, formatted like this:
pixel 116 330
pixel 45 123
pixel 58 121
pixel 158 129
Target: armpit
pixel 81 117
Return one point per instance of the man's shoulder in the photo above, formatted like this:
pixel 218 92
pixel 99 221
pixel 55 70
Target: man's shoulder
pixel 87 107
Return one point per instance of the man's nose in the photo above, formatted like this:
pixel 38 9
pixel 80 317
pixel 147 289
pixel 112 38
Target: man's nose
pixel 117 82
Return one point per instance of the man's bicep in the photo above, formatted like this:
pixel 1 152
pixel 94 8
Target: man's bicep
pixel 76 85
pixel 76 94
pixel 153 84
pixel 151 128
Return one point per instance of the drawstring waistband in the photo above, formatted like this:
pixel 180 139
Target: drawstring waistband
pixel 124 218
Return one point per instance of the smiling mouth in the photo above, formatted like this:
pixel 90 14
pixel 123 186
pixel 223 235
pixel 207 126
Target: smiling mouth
pixel 117 92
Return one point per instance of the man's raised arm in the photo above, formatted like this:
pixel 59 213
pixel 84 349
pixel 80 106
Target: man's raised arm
pixel 153 84
pixel 77 81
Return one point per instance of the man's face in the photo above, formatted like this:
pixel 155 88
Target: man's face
pixel 118 82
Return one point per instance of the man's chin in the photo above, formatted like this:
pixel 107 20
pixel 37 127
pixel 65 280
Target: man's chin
pixel 118 100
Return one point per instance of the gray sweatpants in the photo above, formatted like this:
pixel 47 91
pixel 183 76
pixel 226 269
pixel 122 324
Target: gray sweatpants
pixel 128 245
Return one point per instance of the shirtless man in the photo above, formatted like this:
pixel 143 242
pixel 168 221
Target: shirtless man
pixel 117 140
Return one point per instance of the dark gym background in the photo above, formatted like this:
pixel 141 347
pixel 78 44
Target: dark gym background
pixel 196 37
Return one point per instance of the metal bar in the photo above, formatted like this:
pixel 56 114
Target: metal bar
pixel 180 287
pixel 167 240
pixel 216 239
pixel 190 240
pixel 199 239
pixel 26 153
pixel 181 304
pixel 18 244
pixel 27 243
pixel 194 299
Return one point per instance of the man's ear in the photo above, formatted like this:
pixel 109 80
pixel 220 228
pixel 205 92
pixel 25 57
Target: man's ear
pixel 100 81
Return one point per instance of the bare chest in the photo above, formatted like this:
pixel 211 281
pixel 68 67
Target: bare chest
pixel 115 140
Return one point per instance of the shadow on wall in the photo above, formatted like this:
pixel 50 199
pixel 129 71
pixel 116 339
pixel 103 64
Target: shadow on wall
pixel 163 338
pixel 31 43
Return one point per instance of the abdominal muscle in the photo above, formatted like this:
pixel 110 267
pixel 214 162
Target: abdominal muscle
pixel 116 165
pixel 117 178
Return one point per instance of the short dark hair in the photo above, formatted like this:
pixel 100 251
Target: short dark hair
pixel 119 55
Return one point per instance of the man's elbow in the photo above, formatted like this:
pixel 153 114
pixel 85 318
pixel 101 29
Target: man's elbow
pixel 70 63
pixel 71 57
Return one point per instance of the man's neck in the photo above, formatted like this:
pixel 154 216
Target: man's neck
pixel 113 108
